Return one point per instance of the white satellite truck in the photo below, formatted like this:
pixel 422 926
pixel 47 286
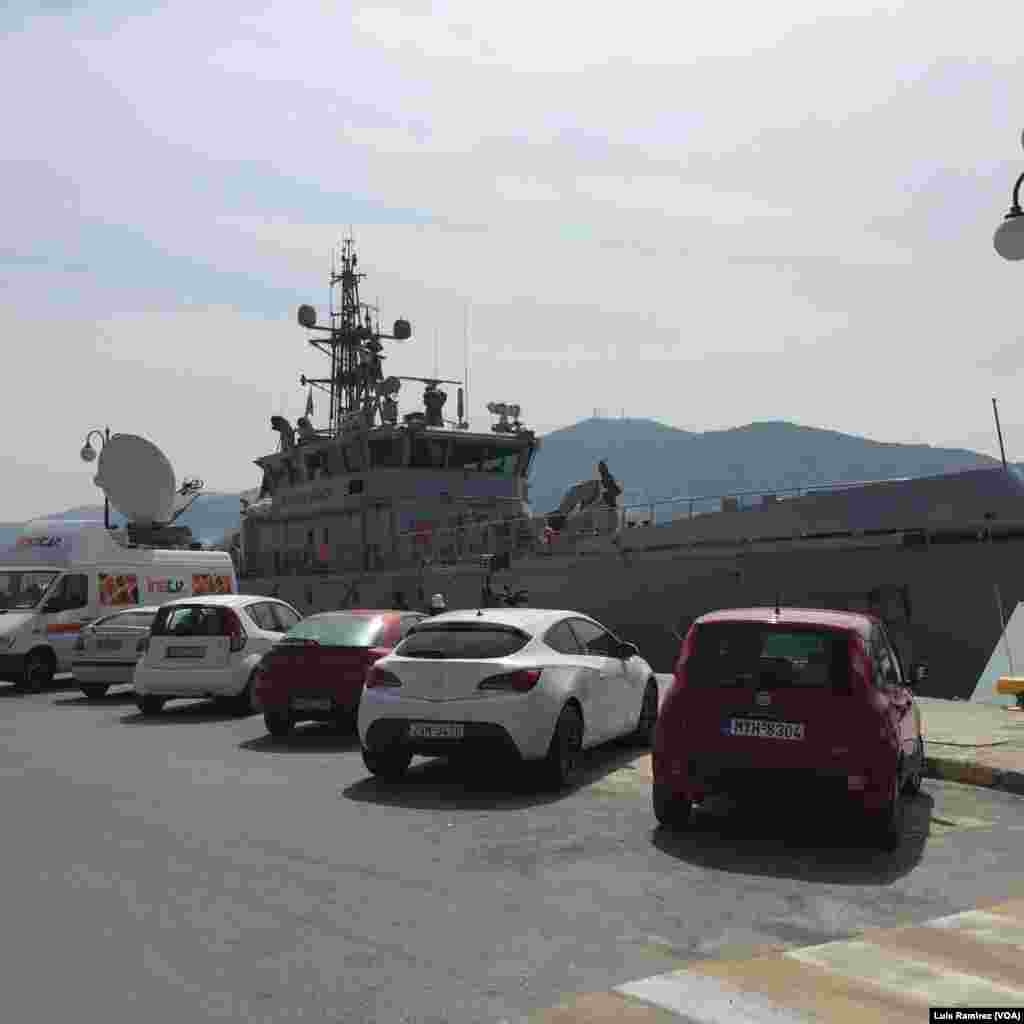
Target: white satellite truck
pixel 59 576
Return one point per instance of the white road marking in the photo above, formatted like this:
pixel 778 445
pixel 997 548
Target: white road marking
pixel 708 1001
pixel 933 985
pixel 984 927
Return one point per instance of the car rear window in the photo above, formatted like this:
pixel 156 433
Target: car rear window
pixel 133 620
pixel 189 620
pixel 769 657
pixel 462 640
pixel 340 630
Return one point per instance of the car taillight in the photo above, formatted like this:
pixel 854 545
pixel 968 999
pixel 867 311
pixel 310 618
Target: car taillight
pixel 142 646
pixel 515 682
pixel 234 629
pixel 381 677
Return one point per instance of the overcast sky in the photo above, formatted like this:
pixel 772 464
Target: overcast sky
pixel 706 214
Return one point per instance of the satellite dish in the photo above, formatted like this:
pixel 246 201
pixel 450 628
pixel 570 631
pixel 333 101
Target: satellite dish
pixel 307 316
pixel 138 479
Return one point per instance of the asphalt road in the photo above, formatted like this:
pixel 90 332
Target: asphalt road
pixel 189 868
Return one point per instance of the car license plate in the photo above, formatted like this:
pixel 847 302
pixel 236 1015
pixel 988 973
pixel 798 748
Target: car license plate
pixel 436 731
pixel 108 645
pixel 311 703
pixel 763 728
pixel 185 652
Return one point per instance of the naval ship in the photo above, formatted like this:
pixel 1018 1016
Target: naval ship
pixel 378 509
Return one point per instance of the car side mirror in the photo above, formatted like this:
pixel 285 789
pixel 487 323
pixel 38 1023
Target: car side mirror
pixel 628 650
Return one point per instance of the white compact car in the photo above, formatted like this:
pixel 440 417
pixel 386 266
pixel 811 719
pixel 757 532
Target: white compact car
pixel 539 684
pixel 209 647
pixel 107 650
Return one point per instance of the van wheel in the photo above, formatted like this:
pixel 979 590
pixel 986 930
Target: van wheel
pixel 672 811
pixel 644 734
pixel 564 759
pixel 93 690
pixel 149 704
pixel 913 784
pixel 38 671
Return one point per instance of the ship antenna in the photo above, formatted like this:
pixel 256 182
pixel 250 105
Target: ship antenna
pixel 466 374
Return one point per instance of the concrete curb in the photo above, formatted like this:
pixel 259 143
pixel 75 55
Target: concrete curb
pixel 971 773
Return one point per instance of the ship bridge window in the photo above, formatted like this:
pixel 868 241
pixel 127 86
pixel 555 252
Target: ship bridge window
pixel 428 452
pixel 485 458
pixel 386 452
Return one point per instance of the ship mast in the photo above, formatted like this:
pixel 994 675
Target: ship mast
pixel 356 385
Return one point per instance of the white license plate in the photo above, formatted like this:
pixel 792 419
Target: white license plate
pixel 108 645
pixel 763 728
pixel 436 731
pixel 311 703
pixel 186 652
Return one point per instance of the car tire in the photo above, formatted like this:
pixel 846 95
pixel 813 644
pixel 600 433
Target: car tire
pixel 278 723
pixel 644 734
pixel 886 824
pixel 149 704
pixel 390 764
pixel 93 690
pixel 673 812
pixel 241 703
pixel 913 784
pixel 38 671
pixel 561 767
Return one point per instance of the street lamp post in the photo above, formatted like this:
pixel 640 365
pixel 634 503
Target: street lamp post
pixel 1009 236
pixel 88 454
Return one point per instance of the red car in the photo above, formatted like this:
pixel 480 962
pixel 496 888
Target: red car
pixel 779 704
pixel 316 671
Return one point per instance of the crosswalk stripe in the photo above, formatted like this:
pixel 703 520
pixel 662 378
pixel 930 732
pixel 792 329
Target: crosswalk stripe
pixel 982 926
pixel 967 959
pixel 707 1000
pixel 930 984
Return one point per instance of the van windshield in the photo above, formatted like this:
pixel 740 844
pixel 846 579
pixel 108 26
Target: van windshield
pixel 23 590
pixel 752 654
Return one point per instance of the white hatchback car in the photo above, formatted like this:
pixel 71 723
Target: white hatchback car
pixel 539 684
pixel 209 647
pixel 107 650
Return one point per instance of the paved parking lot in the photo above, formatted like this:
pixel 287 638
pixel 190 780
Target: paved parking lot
pixel 190 868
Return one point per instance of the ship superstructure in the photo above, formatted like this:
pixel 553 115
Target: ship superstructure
pixel 363 492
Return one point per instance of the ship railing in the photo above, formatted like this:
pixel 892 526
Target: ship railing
pixel 691 506
pixel 528 535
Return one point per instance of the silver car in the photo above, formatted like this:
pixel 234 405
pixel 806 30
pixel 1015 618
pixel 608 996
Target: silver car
pixel 106 650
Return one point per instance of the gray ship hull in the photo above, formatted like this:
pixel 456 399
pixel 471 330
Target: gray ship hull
pixel 937 593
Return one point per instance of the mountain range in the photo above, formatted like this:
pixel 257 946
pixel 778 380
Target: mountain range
pixel 652 461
